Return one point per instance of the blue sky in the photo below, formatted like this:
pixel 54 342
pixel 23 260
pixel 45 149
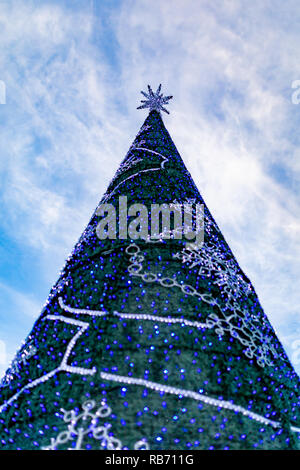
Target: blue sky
pixel 73 71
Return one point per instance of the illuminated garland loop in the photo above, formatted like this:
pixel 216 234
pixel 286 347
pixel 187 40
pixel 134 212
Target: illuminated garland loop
pixel 108 194
pixel 258 345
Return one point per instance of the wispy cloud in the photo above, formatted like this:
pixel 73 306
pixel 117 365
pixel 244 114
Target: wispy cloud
pixel 18 311
pixel 3 357
pixel 24 303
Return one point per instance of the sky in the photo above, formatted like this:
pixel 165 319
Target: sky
pixel 71 72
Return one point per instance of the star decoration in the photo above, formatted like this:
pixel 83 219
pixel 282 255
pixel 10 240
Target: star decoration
pixel 155 101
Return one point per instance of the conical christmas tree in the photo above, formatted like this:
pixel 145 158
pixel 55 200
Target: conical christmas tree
pixel 150 343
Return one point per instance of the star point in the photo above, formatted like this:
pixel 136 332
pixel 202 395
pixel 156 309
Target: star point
pixel 155 101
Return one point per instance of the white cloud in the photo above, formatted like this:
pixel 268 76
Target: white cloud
pixel 59 97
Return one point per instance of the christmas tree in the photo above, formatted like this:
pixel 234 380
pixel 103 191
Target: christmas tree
pixel 151 342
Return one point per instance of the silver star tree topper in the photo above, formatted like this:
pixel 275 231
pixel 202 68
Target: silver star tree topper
pixel 155 101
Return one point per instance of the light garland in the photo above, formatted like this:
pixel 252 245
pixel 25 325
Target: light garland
pixel 157 387
pixel 109 194
pixel 258 345
pixel 63 365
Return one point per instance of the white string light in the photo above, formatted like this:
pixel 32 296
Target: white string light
pixel 194 395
